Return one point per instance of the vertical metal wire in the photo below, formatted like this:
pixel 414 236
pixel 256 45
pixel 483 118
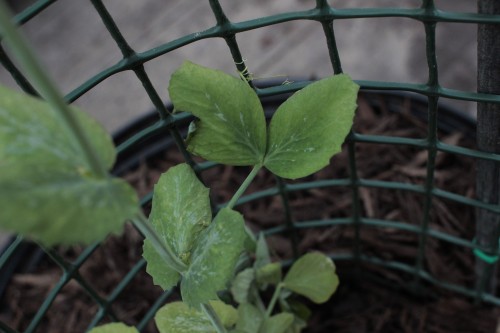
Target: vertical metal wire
pixel 140 72
pixel 129 53
pixel 432 139
pixel 329 32
pixel 225 26
pixel 488 140
pixel 324 7
pixel 16 73
pixel 291 231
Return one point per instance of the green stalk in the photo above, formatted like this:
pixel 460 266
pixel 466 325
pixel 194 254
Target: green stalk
pixel 258 300
pixel 46 88
pixel 274 299
pixel 141 222
pixel 240 192
pixel 244 186
pixel 213 317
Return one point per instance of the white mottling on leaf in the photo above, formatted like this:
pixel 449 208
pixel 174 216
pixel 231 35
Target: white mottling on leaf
pixel 220 116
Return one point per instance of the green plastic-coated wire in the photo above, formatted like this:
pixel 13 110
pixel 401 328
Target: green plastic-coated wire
pixel 325 15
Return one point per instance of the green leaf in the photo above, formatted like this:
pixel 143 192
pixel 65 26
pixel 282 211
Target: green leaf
pixel 32 133
pixel 249 318
pixel 309 128
pixel 231 127
pixel 60 207
pixel 114 328
pixel 214 258
pixel 178 317
pixel 300 309
pixel 313 276
pixel 180 212
pixel 242 284
pixel 277 324
pixel 297 326
pixel 270 273
pixel 181 215
pixel 49 192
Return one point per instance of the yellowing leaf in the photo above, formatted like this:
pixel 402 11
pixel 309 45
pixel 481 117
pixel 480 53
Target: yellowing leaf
pixel 114 328
pixel 262 256
pixel 313 276
pixel 249 318
pixel 270 273
pixel 277 324
pixel 241 285
pixel 178 317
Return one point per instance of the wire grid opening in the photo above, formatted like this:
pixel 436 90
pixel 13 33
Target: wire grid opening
pixel 324 14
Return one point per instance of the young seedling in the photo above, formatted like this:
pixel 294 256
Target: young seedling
pixel 303 134
pixel 56 189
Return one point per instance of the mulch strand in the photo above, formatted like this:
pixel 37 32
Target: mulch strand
pixel 377 300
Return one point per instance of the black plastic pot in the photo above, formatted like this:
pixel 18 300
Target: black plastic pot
pixel 25 258
pixel 450 119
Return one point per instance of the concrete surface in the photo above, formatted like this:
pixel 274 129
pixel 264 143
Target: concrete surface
pixel 73 45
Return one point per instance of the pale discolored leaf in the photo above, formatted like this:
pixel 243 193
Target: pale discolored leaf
pixel 231 127
pixel 114 328
pixel 214 258
pixel 49 191
pixel 180 212
pixel 270 273
pixel 310 127
pixel 241 285
pixel 249 318
pixel 262 256
pixel 313 276
pixel 178 317
pixel 277 324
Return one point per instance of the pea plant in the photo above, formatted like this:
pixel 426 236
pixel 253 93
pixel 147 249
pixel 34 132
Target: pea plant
pixel 56 189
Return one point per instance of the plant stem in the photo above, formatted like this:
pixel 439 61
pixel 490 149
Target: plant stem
pixel 240 191
pixel 141 222
pixel 274 299
pixel 244 186
pixel 258 300
pixel 213 317
pixel 47 89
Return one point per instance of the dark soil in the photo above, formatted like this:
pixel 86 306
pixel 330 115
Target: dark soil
pixel 370 298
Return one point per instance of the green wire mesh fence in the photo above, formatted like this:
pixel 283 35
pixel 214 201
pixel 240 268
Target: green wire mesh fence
pixel 324 14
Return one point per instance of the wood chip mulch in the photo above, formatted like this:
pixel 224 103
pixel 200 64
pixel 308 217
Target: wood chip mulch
pixel 370 298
